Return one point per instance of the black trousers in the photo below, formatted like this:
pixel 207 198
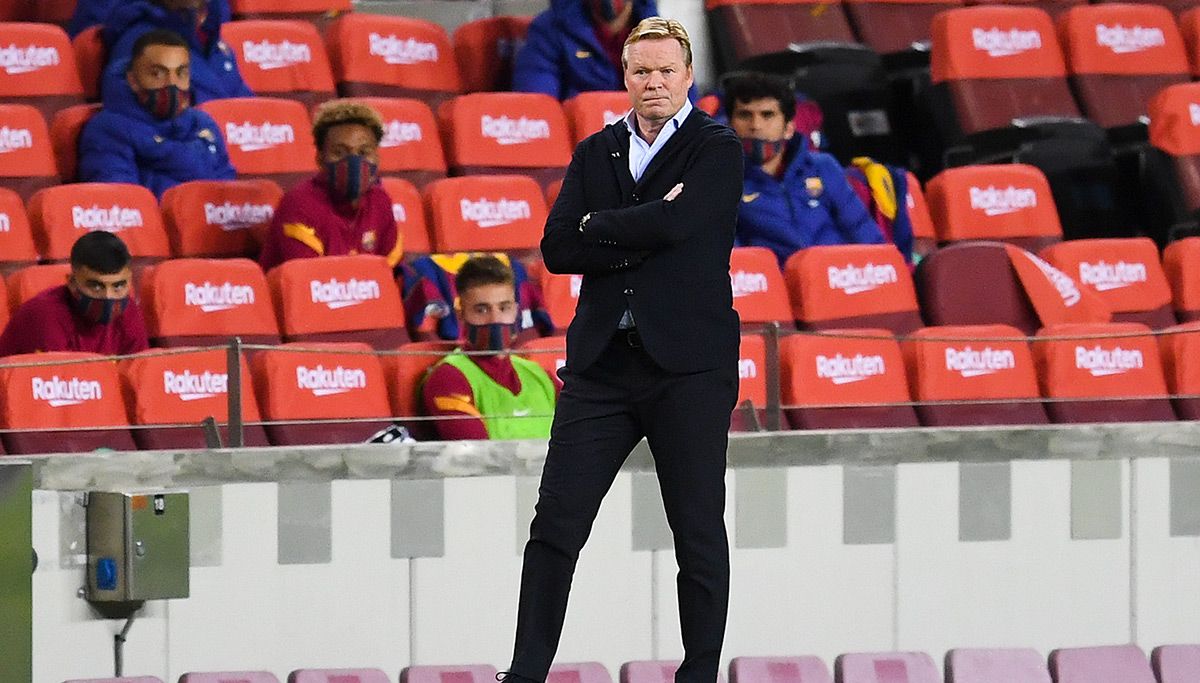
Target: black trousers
pixel 601 415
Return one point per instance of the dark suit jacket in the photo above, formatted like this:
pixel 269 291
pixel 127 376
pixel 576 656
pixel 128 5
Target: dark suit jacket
pixel 668 262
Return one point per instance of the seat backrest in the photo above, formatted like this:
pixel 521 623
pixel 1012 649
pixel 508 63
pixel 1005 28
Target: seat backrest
pixel 229 677
pixel 995 665
pixel 496 130
pixel 561 293
pixel 852 285
pixel 1176 663
pixel 889 26
pixel 485 213
pixel 30 281
pixel 1004 202
pixel 654 671
pixel 281 57
pixel 188 297
pixel 406 370
pixel 1181 262
pixel 335 294
pixel 338 676
pixel 219 217
pixel 1103 362
pixel 26 152
pixel 287 7
pixel 886 667
pixel 1125 663
pixel 266 137
pixel 1189 26
pixel 65 129
pixel 1119 55
pixel 924 232
pixel 589 112
pixel 59 215
pixel 411 142
pixel 808 669
pixel 579 672
pixel 950 366
pixel 844 378
pixel 548 352
pixel 759 293
pixel 408 208
pixel 3 304
pixel 16 238
pixel 59 393
pixel 465 673
pixel 485 50
pixel 1124 272
pixel 752 370
pixel 1175 129
pixel 90 57
pixel 310 381
pixel 1179 348
pixel 742 29
pixel 999 63
pixel 391 56
pixel 39 67
pixel 123 679
pixel 183 388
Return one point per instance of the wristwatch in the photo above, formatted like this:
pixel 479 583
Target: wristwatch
pixel 583 221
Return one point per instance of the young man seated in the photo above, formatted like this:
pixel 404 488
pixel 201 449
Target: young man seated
pixel 489 394
pixel 91 312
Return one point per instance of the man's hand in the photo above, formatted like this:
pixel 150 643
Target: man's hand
pixel 675 192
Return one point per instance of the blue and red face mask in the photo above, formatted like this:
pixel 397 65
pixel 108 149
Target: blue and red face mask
pixel 101 311
pixel 491 337
pixel 166 102
pixel 349 178
pixel 758 152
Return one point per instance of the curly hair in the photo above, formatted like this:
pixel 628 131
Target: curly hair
pixel 339 112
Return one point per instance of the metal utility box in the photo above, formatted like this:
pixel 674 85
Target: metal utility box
pixel 137 546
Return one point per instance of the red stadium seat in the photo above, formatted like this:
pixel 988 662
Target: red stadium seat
pixel 750 413
pixel 389 56
pixel 310 382
pixel 552 191
pixel 1174 130
pixel 1090 378
pixel 229 677
pixel 408 208
pixel 1125 663
pixel 1125 273
pixel 486 213
pixel 1004 202
pixel 203 302
pixel 122 679
pixel 466 673
pixel 589 112
pixel 742 29
pixel 890 26
pixel 778 670
pixel 924 232
pixel 3 304
pixel 219 217
pixel 1178 347
pixel 949 367
pixel 65 128
pixel 90 57
pixel 37 67
pixel 580 672
pixel 16 239
pixel 60 214
pixel 892 667
pixel 561 293
pixel 185 388
pixel 26 153
pixel 1119 57
pixel 317 12
pixel 14 10
pixel 1181 262
pixel 338 298
pixel 995 665
pixel 494 133
pixel 840 379
pixel 548 352
pixel 281 58
pixel 77 404
pixel 411 147
pixel 1189 26
pixel 864 285
pixel 759 293
pixel 52 11
pixel 30 281
pixel 338 676
pixel 485 50
pixel 654 671
pixel 267 138
pixel 405 372
pixel 1176 663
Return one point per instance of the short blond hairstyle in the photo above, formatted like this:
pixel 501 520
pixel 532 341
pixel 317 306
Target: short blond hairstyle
pixel 658 28
pixel 338 112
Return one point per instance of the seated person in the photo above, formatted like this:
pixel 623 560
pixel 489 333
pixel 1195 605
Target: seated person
pixel 214 69
pixel 91 312
pixel 495 395
pixel 89 13
pixel 147 133
pixel 792 198
pixel 343 210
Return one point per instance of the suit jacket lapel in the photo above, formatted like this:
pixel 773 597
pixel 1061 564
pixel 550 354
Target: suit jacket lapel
pixel 677 142
pixel 618 155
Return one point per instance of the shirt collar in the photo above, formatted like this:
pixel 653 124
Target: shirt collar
pixel 676 120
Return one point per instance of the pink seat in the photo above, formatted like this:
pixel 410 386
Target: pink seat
pixel 1176 663
pixel 807 669
pixel 653 671
pixel 465 673
pixel 229 677
pixel 886 667
pixel 579 672
pixel 1103 664
pixel 338 676
pixel 995 665
pixel 127 679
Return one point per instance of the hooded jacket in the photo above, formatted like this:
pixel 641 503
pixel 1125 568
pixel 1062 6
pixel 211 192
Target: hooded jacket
pixel 123 143
pixel 214 68
pixel 89 13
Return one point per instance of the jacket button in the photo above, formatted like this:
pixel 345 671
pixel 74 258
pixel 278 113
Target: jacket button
pixel 629 291
pixel 636 198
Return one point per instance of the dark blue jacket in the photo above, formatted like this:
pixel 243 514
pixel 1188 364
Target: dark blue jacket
pixel 123 143
pixel 214 69
pixel 562 57
pixel 813 204
pixel 89 13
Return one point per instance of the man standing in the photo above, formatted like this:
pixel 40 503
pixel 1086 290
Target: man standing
pixel 647 214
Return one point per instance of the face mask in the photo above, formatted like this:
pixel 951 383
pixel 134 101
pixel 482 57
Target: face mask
pixel 758 152
pixel 166 102
pixel 349 178
pixel 99 311
pixel 491 337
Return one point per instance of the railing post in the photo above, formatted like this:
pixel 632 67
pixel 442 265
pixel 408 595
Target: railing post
pixel 774 413
pixel 233 365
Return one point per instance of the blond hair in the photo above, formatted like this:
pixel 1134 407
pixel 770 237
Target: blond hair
pixel 658 28
pixel 338 112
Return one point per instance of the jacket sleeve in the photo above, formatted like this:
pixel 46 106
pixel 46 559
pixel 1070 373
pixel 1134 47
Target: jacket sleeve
pixel 712 180
pixel 448 395
pixel 851 216
pixel 537 67
pixel 564 249
pixel 106 154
